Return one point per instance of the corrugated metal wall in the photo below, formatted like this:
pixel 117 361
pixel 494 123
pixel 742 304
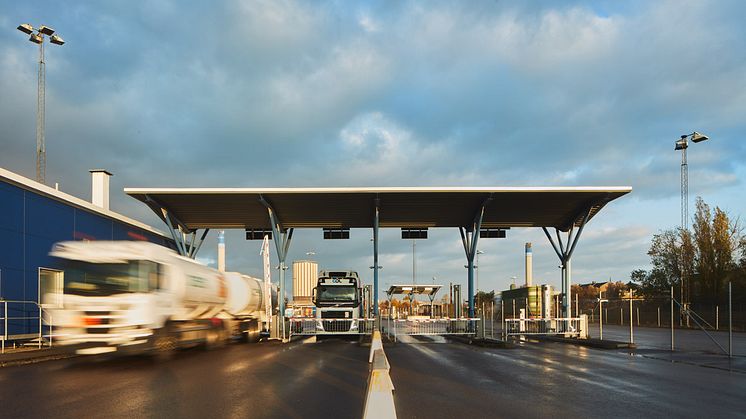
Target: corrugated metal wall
pixel 29 225
pixel 305 275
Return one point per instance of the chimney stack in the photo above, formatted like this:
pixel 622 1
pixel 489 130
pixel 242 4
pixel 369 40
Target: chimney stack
pixel 100 188
pixel 529 265
pixel 221 251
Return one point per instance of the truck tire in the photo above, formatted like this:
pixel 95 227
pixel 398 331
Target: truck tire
pixel 164 342
pixel 217 335
pixel 252 333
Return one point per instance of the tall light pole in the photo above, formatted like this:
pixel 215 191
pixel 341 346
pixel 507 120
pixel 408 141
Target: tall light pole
pixel 37 36
pixel 683 144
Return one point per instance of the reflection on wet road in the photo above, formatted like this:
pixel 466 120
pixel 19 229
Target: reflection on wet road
pixel 554 380
pixel 266 380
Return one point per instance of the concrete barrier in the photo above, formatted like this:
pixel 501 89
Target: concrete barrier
pixel 376 343
pixel 379 397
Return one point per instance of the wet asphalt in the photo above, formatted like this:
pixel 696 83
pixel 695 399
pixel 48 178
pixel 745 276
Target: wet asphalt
pixel 327 379
pixel 539 380
pixel 264 380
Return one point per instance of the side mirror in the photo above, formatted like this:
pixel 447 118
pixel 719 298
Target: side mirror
pixel 313 295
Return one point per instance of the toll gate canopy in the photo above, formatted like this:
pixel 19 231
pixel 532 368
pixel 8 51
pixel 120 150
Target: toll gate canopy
pixel 473 210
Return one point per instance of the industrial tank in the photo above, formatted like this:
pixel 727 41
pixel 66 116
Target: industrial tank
pixel 305 275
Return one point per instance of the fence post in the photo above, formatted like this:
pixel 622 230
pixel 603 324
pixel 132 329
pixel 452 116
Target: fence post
pixel 671 318
pixel 5 323
pixel 659 316
pixel 502 318
pixel 621 316
pixel 40 332
pixel 730 321
pixel 638 316
pixel 717 317
pixel 492 319
pixel 577 313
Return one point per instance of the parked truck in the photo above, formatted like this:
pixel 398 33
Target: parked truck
pixel 338 300
pixel 139 296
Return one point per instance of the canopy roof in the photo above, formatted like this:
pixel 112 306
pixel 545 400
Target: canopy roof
pixel 225 208
pixel 413 289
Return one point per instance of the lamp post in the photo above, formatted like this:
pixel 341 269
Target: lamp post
pixel 37 36
pixel 683 144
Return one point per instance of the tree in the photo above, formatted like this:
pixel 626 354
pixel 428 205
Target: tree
pixel 705 257
pixel 485 298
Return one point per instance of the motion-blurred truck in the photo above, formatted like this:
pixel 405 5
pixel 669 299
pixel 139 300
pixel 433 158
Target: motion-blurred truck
pixel 139 296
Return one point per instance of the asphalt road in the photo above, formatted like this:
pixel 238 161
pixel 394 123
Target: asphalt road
pixel 451 380
pixel 265 380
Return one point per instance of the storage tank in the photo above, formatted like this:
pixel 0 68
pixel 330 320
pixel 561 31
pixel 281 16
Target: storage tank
pixel 305 275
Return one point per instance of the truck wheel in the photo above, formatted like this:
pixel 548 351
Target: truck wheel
pixel 216 336
pixel 251 334
pixel 163 343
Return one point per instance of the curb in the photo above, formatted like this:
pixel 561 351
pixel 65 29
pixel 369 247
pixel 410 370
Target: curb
pixel 591 343
pixel 35 356
pixel 489 343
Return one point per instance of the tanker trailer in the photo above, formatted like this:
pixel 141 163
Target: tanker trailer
pixel 122 296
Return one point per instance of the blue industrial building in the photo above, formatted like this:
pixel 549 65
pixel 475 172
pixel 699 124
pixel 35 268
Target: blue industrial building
pixel 33 217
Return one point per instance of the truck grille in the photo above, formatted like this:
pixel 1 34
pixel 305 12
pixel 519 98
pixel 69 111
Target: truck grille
pixel 336 314
pixel 337 325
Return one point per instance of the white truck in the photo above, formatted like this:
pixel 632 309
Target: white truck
pixel 125 295
pixel 338 300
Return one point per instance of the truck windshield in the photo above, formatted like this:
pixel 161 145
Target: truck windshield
pixel 84 278
pixel 336 294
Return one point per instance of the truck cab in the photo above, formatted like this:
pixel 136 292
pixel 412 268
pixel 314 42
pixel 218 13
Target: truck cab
pixel 337 297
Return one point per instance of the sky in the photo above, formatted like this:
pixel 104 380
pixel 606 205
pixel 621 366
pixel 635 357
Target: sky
pixel 400 93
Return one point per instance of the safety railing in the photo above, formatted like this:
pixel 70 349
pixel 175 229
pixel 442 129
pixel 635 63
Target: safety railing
pixel 569 327
pixel 430 327
pixel 20 316
pixel 304 326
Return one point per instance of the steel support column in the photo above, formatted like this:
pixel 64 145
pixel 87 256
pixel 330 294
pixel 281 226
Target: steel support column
pixel 564 252
pixel 179 231
pixel 375 257
pixel 282 238
pixel 470 239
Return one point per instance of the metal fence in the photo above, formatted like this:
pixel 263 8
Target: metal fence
pixel 429 327
pixel 569 327
pixel 19 317
pixel 304 326
pixel 657 313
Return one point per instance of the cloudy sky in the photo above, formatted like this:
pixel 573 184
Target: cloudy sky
pixel 493 93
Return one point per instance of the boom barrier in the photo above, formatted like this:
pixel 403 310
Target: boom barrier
pixel 568 327
pixel 430 327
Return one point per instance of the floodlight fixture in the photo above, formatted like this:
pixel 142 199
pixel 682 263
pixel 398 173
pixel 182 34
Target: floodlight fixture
pixel 697 137
pixel 56 39
pixel 681 144
pixel 26 28
pixel 35 38
pixel 46 30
